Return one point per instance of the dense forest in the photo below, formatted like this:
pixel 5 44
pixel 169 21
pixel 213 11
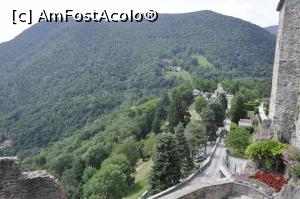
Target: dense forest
pixel 74 96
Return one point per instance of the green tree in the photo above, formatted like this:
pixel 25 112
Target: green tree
pixel 112 181
pixel 266 152
pixel 130 149
pixel 209 122
pixel 166 164
pixel 88 173
pixel 218 111
pixel 237 108
pixel 148 145
pixel 108 183
pixel 183 149
pixel 223 100
pixel 196 136
pixel 238 140
pixel 206 85
pixel 78 168
pixel 178 112
pixel 156 122
pixel 200 104
pixel 95 155
pixel 71 184
pixel 61 163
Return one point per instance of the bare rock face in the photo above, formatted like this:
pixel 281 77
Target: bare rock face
pixel 15 184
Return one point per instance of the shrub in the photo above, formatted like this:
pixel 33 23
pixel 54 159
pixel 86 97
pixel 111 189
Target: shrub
pixel 249 106
pixel 291 157
pixel 237 140
pixel 267 153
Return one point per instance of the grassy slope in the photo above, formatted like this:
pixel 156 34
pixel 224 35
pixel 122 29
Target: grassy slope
pixel 182 74
pixel 141 180
pixel 194 115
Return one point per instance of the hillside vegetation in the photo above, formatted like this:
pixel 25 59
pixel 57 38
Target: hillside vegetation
pixel 57 77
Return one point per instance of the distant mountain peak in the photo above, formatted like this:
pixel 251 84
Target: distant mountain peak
pixel 272 29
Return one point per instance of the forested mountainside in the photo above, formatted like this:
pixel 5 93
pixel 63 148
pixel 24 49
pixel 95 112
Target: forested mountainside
pixel 57 77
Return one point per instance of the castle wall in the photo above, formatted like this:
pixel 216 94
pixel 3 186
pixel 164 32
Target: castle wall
pixel 15 184
pixel 286 74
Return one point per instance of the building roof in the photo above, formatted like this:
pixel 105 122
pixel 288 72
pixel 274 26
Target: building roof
pixel 280 4
pixel 245 122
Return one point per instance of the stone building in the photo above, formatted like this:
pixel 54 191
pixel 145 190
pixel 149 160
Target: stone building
pixel 285 96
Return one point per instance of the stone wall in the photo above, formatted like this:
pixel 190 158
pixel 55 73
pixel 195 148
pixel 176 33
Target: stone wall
pixel 218 189
pixel 15 184
pixel 286 74
pixel 289 191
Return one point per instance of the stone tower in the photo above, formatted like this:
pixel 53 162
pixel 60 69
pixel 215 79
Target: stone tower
pixel 285 96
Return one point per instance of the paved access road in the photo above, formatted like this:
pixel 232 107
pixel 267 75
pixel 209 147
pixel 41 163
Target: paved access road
pixel 212 172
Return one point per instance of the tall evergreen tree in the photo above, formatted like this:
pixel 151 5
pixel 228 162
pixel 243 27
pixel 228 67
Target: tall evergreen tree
pixel 210 124
pixel 197 136
pixel 223 100
pixel 164 106
pixel 166 164
pixel 156 122
pixel 184 151
pixel 237 108
pixel 218 111
pixel 178 112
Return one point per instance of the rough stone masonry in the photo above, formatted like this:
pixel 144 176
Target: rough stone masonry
pixel 285 96
pixel 15 184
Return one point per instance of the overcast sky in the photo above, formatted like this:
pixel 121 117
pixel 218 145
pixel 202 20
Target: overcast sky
pixel 260 12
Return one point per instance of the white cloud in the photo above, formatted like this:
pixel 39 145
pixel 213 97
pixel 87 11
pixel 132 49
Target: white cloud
pixel 260 12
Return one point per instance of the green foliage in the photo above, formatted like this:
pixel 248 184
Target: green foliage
pixel 61 163
pixel 95 155
pixel 156 121
pixel 111 181
pixel 223 101
pixel 183 150
pixel 56 78
pixel 291 156
pixel 237 108
pixel 233 126
pixel 251 88
pixel 238 140
pixel 218 110
pixel 67 90
pixel 266 152
pixel 178 112
pixel 166 170
pixel 196 135
pixel 249 106
pixel 88 173
pixel 256 110
pixel 200 104
pixel 148 145
pixel 212 117
pixel 205 85
pixel 130 149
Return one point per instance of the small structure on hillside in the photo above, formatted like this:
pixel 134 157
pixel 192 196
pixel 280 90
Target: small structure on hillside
pixel 245 122
pixel 219 91
pixel 196 92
